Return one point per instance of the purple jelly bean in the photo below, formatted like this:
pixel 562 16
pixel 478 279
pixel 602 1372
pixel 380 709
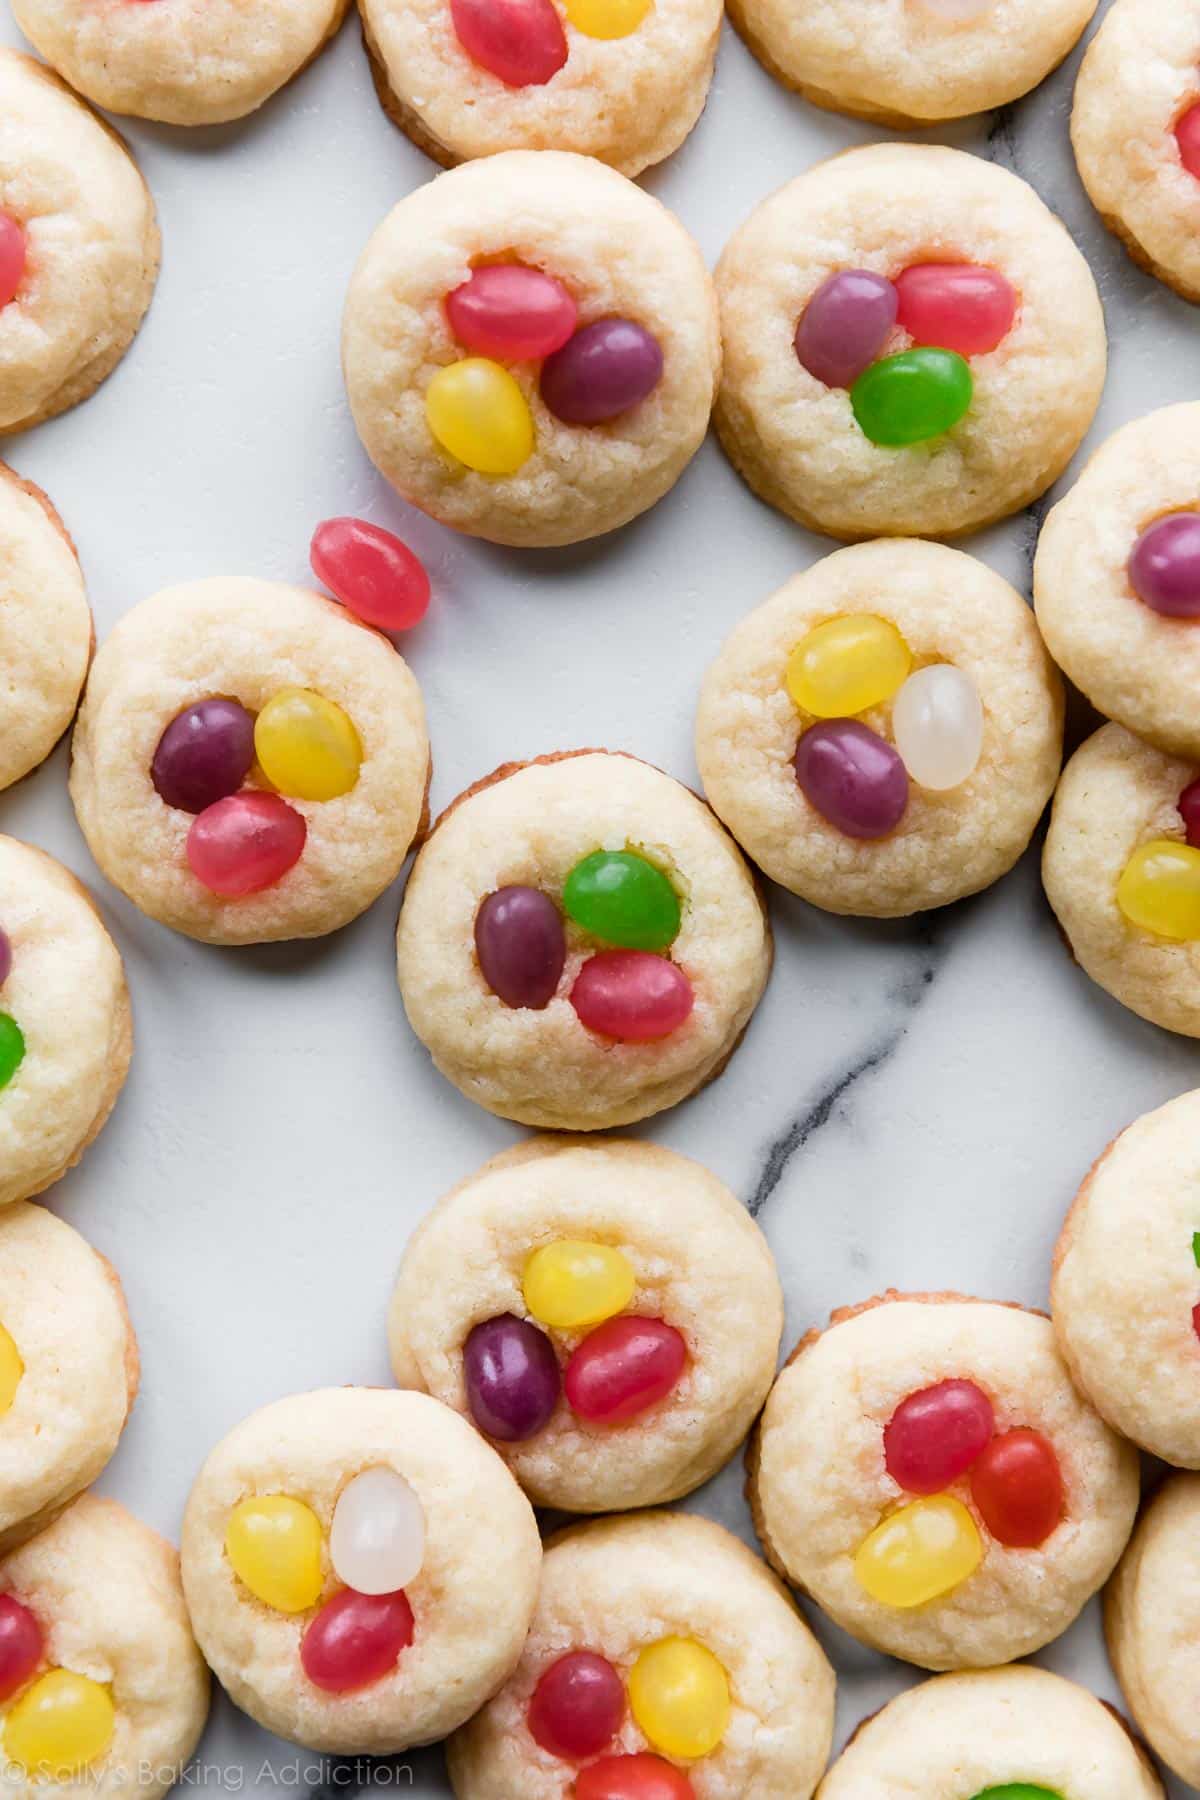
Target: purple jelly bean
pixel 513 1379
pixel 845 326
pixel 853 777
pixel 1164 566
pixel 521 946
pixel 5 957
pixel 602 370
pixel 204 755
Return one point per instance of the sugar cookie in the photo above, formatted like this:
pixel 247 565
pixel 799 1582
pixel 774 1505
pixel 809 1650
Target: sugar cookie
pixel 45 627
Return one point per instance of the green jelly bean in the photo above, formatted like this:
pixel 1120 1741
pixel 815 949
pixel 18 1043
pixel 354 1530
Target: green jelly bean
pixel 12 1048
pixel 1019 1790
pixel 909 398
pixel 621 898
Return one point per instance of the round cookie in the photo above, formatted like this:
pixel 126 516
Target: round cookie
pixel 1152 1623
pixel 848 770
pixel 79 246
pixel 994 1734
pixel 703 1667
pixel 182 65
pixel 250 761
pixel 1135 129
pixel 548 403
pixel 912 62
pixel 926 1471
pixel 623 1263
pixel 629 1004
pixel 45 627
pixel 933 397
pixel 66 1031
pixel 278 1518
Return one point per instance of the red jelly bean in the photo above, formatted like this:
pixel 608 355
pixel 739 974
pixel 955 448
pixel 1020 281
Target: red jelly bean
pixel 12 257
pixel 371 572
pixel 1189 812
pixel 631 995
pixel 1018 1487
pixel 1195 1328
pixel 512 313
pixel 1187 136
pixel 355 1639
pixel 640 1777
pixel 956 306
pixel 577 1707
pixel 623 1367
pixel 520 41
pixel 245 843
pixel 20 1645
pixel 935 1435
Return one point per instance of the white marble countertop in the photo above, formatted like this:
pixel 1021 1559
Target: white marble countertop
pixel 914 1103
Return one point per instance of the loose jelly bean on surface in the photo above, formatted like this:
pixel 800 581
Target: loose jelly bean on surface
pixel 1159 889
pixel 1164 566
pixel 13 254
pixel 1017 1485
pixel 521 946
pixel 377 1537
pixel 607 18
pixel 638 1777
pixel 912 397
pixel 622 1368
pixel 522 42
pixel 355 1639
pixel 1189 812
pixel 845 326
pixel 956 306
pixel 935 1435
pixel 12 1048
pixel 6 957
pixel 577 1707
pixel 245 844
pixel 919 1553
pixel 1187 136
pixel 11 1370
pixel 371 572
pixel 59 1725
pixel 679 1695
pixel 21 1645
pixel 477 412
pixel 512 1378
pixel 632 996
pixel 512 313
pixel 623 898
pixel 274 1545
pixel 853 777
pixel 569 1284
pixel 205 754
pixel 847 666
pixel 937 724
pixel 307 746
pixel 602 371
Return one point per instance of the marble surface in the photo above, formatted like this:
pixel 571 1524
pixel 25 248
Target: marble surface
pixel 914 1103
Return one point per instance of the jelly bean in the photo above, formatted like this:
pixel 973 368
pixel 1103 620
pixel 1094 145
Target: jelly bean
pixel 11 1370
pixel 477 412
pixel 623 1368
pixel 356 1639
pixel 274 1545
pixel 204 755
pixel 59 1725
pixel 21 1645
pixel 377 1538
pixel 624 899
pixel 512 1378
pixel 307 746
pixel 937 724
pixel 853 777
pixel 911 397
pixel 607 18
pixel 1196 1319
pixel 935 1435
pixel 373 574
pixel 847 666
pixel 1189 812
pixel 12 1048
pixel 521 42
pixel 13 255
pixel 638 1777
pixel 1019 1790
pixel 1187 136
pixel 569 1284
pixel 956 306
pixel 1164 566
pixel 577 1707
pixel 632 996
pixel 1159 889
pixel 919 1553
pixel 1018 1487
pixel 245 843
pixel 6 957
pixel 1196 1247
pixel 521 946
pixel 512 313
pixel 604 370
pixel 845 325
pixel 679 1695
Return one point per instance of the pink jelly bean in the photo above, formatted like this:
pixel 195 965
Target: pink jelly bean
pixel 631 995
pixel 1189 812
pixel 935 1435
pixel 845 326
pixel 956 306
pixel 522 42
pixel 577 1707
pixel 20 1645
pixel 623 1367
pixel 1187 136
pixel 245 843
pixel 371 572
pixel 12 257
pixel 1164 566
pixel 511 313
pixel 356 1639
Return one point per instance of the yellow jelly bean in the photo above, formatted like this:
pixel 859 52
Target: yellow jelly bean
pixel 274 1544
pixel 59 1725
pixel 847 666
pixel 477 412
pixel 569 1284
pixel 1160 889
pixel 11 1371
pixel 607 18
pixel 920 1552
pixel 306 746
pixel 679 1694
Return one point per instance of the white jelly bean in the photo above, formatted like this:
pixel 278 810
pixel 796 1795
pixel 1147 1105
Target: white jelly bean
pixel 937 726
pixel 377 1539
